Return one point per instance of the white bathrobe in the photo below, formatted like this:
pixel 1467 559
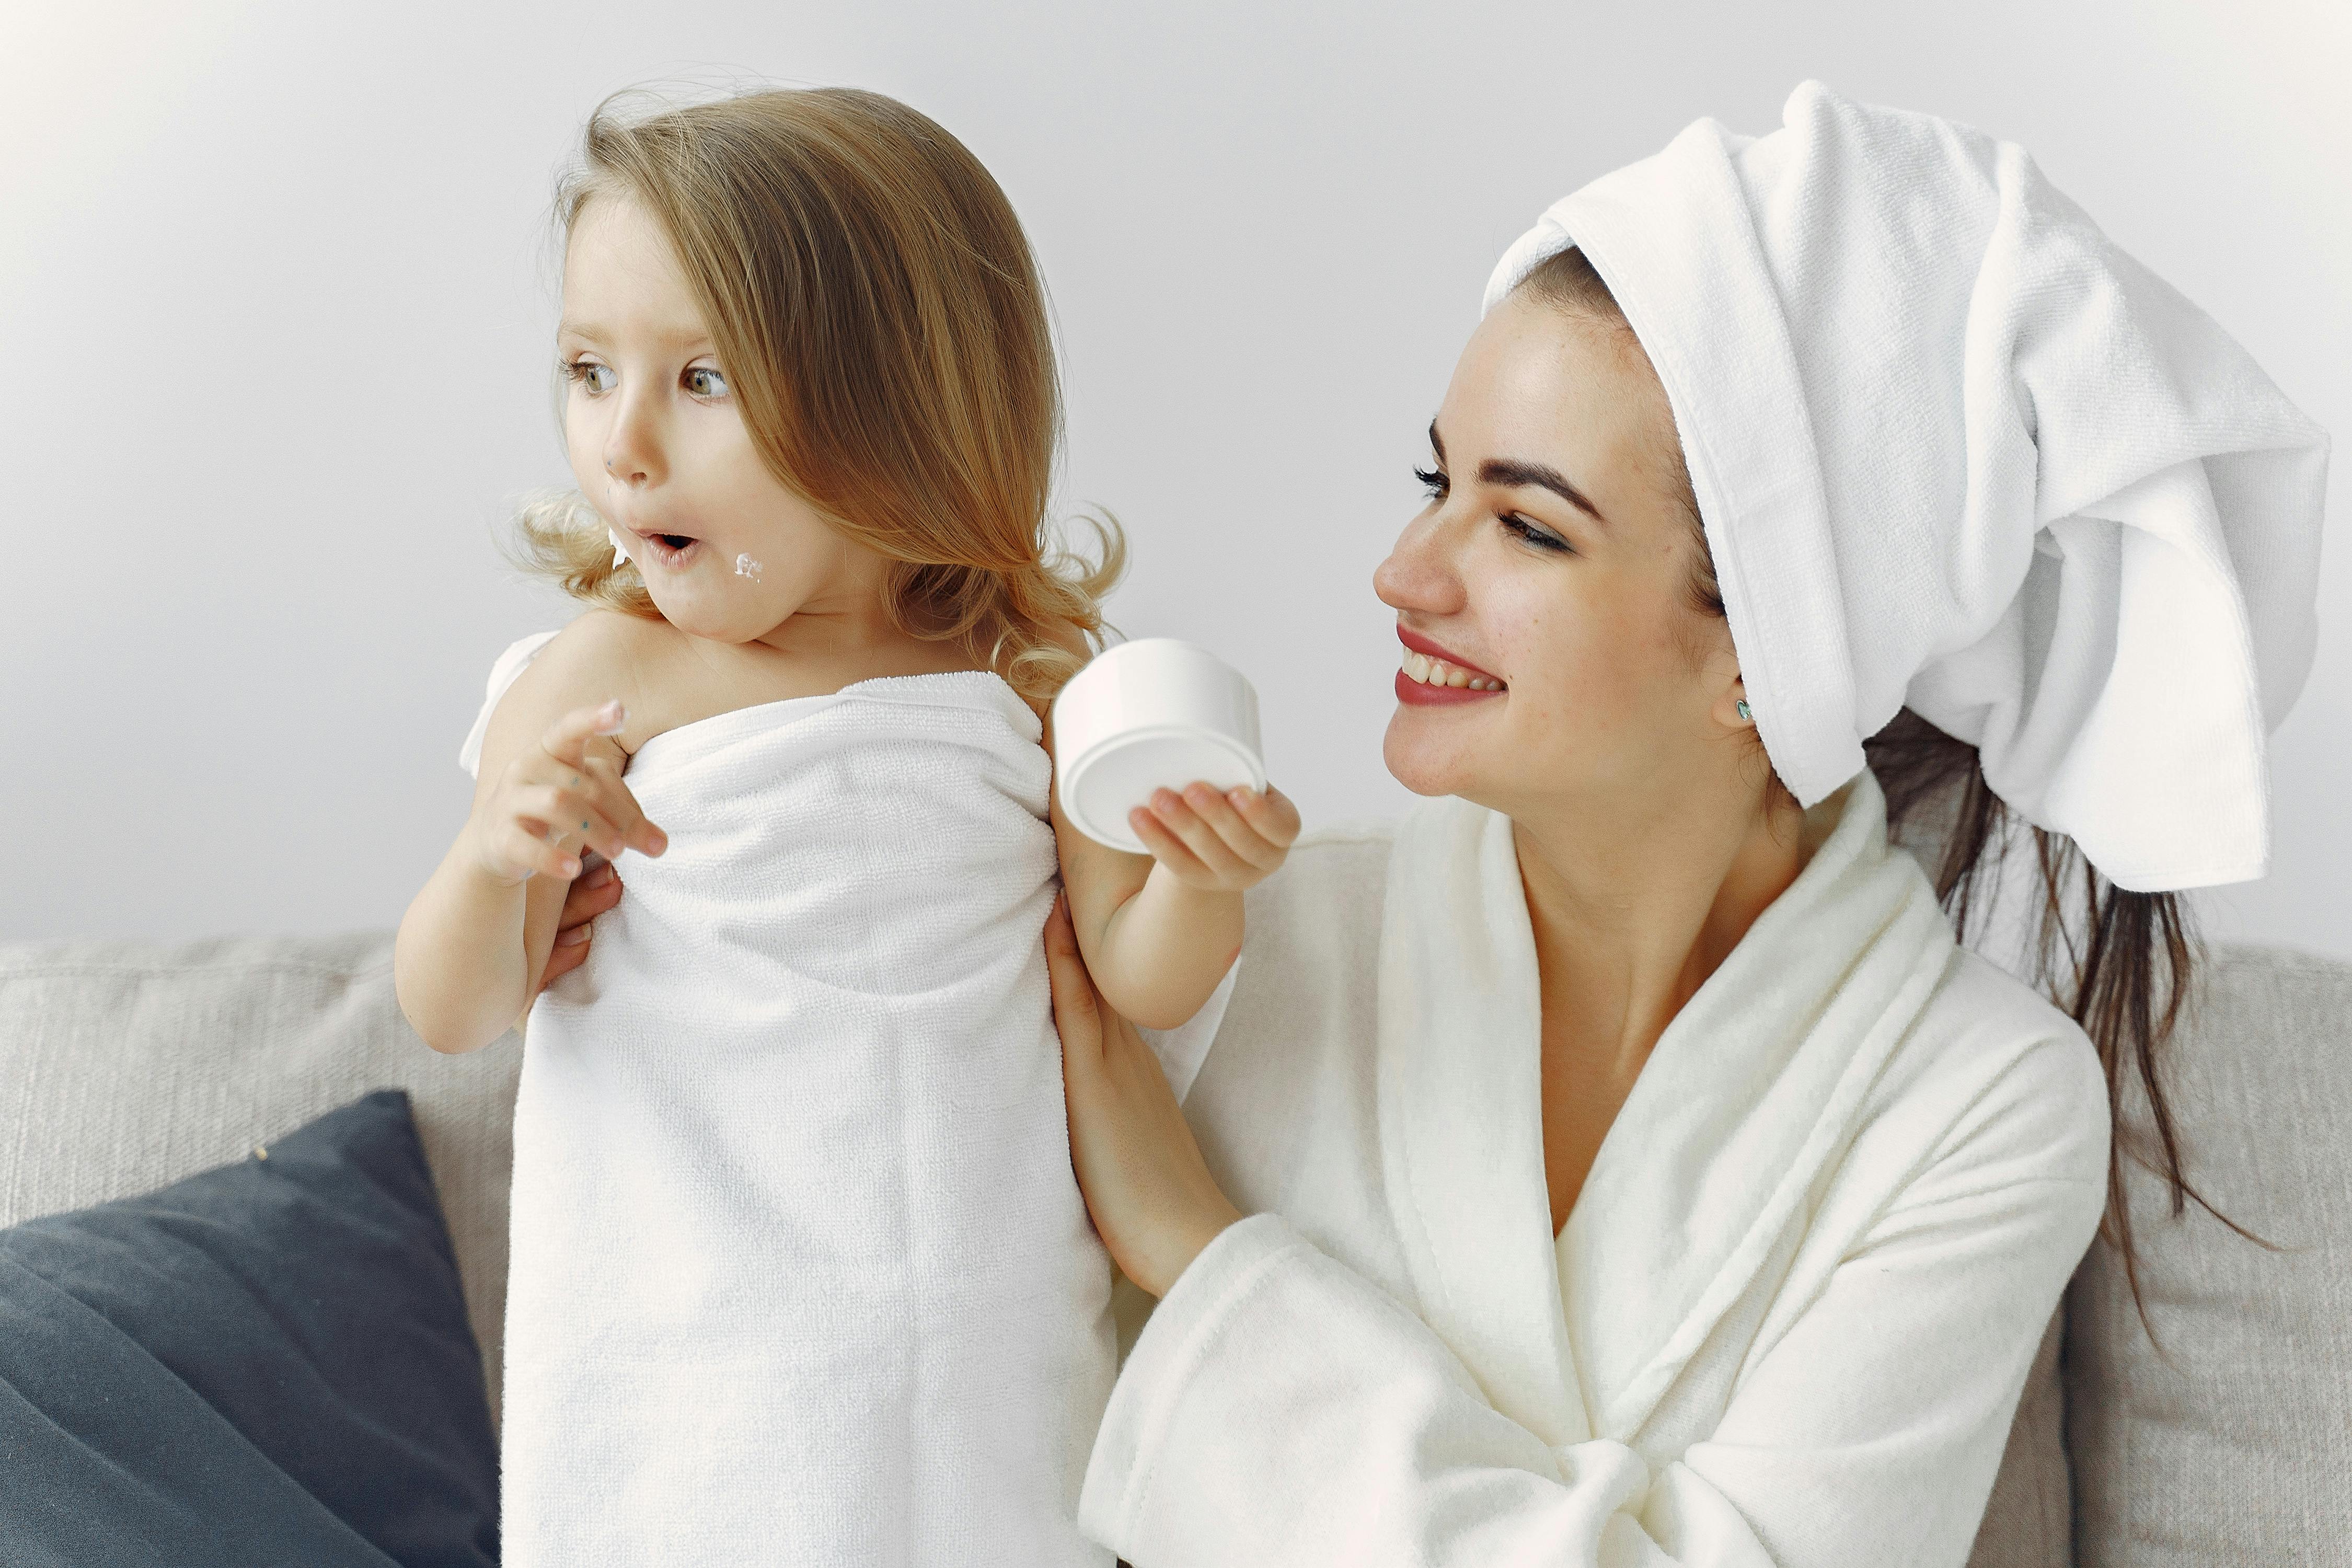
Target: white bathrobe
pixel 1789 1319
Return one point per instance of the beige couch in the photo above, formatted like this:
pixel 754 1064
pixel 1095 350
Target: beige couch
pixel 125 1065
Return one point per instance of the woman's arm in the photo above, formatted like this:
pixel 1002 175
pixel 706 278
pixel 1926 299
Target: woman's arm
pixel 1279 1406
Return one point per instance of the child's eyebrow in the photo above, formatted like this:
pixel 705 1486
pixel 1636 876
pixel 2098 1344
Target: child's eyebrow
pixel 592 332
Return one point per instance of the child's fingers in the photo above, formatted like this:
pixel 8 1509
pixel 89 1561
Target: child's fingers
pixel 1165 846
pixel 613 797
pixel 1198 836
pixel 518 841
pixel 568 811
pixel 566 740
pixel 1270 813
pixel 1235 834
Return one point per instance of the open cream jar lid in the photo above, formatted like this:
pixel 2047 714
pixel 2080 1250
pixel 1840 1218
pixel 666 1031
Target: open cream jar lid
pixel 1157 712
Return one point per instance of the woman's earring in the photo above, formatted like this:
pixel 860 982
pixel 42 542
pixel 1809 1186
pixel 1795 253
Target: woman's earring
pixel 1744 713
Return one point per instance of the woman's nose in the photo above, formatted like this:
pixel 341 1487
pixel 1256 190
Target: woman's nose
pixel 1419 574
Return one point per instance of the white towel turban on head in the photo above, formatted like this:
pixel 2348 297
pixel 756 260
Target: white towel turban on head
pixel 1952 448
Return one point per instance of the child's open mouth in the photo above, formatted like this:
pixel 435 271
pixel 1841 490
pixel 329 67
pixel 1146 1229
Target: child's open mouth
pixel 670 549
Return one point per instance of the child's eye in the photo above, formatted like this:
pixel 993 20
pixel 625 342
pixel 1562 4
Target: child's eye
pixel 1433 480
pixel 589 374
pixel 706 381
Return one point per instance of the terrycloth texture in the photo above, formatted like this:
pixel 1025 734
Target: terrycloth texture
pixel 1787 1322
pixel 125 1065
pixel 1180 1050
pixel 800 1271
pixel 264 1364
pixel 2234 1444
pixel 1955 449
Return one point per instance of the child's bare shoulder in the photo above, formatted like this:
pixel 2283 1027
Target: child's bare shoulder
pixel 602 654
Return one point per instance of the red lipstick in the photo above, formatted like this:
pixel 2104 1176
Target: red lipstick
pixel 1420 644
pixel 1427 694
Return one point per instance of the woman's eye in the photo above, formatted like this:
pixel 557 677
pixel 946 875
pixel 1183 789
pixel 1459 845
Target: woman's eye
pixel 1433 480
pixel 589 374
pixel 1514 523
pixel 703 381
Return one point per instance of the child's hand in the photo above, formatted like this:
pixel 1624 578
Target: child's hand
pixel 553 790
pixel 1217 843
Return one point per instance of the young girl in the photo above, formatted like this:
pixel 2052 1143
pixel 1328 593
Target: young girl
pixel 800 1270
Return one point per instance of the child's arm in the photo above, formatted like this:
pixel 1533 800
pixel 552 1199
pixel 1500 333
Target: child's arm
pixel 473 944
pixel 1158 932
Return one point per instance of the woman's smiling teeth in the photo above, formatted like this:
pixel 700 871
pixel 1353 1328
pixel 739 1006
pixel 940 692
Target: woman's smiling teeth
pixel 1437 672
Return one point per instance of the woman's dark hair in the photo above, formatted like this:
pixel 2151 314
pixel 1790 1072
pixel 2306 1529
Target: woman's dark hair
pixel 2119 963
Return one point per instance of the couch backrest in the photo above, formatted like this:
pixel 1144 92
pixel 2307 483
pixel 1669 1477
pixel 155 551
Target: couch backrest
pixel 126 1065
pixel 2234 1444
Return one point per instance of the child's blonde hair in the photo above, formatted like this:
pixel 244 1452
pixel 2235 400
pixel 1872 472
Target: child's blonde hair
pixel 886 335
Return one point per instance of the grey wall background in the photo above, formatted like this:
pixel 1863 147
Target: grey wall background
pixel 275 325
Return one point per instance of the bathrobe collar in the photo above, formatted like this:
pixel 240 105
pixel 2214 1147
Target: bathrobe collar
pixel 1749 1093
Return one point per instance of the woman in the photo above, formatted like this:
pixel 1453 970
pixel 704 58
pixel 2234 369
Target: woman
pixel 1625 1163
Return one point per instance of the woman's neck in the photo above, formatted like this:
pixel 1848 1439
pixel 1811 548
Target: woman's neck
pixel 1630 918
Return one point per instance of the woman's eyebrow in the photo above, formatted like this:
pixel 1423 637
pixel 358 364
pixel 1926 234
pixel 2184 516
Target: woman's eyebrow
pixel 1510 472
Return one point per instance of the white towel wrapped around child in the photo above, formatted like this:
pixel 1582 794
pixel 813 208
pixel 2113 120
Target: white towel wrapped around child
pixel 801 1272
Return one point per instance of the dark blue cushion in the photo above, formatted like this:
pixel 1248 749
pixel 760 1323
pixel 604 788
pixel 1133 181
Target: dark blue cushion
pixel 268 1363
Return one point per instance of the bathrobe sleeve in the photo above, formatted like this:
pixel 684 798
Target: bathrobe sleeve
pixel 1279 1408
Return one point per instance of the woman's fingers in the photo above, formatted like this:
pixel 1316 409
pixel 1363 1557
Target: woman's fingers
pixel 562 960
pixel 596 889
pixel 591 894
pixel 1077 1008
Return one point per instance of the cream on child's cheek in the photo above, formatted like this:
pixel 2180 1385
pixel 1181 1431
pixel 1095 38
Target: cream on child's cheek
pixel 747 567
